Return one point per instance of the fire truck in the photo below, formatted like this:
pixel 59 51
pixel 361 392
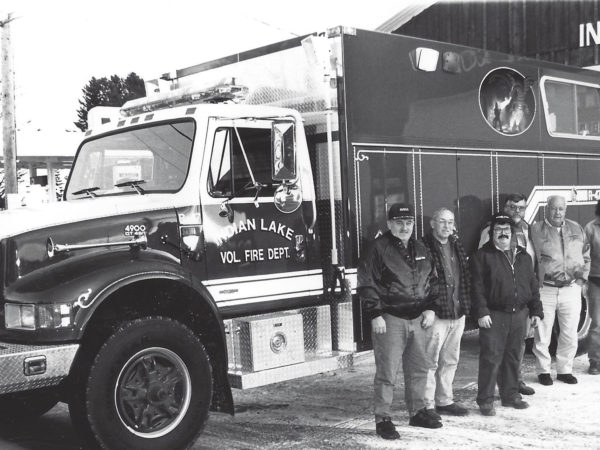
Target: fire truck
pixel 210 232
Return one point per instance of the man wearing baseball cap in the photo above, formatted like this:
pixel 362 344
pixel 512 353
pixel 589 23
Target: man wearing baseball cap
pixel 397 285
pixel 504 292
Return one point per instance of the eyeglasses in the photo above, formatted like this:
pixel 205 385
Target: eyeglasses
pixel 516 208
pixel 502 230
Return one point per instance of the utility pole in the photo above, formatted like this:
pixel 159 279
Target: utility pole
pixel 8 112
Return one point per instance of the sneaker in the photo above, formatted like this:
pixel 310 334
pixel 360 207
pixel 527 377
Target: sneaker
pixel 423 419
pixel 545 379
pixel 433 414
pixel 453 409
pixel 517 403
pixel 594 368
pixel 386 429
pixel 525 390
pixel 566 378
pixel 487 410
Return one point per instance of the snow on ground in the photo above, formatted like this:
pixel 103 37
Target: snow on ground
pixel 333 411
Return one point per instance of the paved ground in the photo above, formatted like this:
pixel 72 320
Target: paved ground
pixel 332 411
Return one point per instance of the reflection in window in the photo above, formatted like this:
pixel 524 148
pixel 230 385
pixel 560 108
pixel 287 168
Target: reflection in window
pixel 572 109
pixel 231 162
pixel 158 155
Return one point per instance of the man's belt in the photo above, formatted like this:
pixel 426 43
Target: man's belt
pixel 508 308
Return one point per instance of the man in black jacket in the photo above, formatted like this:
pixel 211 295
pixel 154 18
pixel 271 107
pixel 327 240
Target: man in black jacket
pixel 397 285
pixel 505 290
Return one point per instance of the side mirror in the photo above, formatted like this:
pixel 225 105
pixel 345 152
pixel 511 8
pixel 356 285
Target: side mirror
pixel 283 151
pixel 288 198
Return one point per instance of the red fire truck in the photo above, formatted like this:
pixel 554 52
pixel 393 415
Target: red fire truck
pixel 211 231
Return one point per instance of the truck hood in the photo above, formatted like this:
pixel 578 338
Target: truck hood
pixel 22 220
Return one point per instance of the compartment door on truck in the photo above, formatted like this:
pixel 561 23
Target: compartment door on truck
pixel 254 252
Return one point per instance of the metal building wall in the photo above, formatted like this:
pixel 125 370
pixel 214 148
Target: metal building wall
pixel 547 30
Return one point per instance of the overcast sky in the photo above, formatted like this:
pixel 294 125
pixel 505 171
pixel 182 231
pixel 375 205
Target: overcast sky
pixel 59 45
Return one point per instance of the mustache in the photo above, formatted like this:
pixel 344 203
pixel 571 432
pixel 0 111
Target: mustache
pixel 503 236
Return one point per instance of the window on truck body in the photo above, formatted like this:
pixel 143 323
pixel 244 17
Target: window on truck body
pixel 571 108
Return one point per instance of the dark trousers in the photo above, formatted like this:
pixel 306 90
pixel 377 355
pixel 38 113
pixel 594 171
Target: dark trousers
pixel 499 353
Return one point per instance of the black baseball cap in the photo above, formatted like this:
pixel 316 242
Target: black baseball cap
pixel 500 218
pixel 401 211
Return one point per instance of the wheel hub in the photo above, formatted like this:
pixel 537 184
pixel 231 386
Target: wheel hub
pixel 152 392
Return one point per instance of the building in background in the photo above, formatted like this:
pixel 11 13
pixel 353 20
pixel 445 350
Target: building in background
pixel 44 158
pixel 547 30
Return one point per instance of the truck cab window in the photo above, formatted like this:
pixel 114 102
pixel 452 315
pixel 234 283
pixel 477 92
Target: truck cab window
pixel 158 155
pixel 240 160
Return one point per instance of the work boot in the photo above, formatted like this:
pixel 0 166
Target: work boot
pixel 545 379
pixel 594 368
pixel 517 403
pixel 433 414
pixel 487 409
pixel 566 378
pixel 453 409
pixel 423 419
pixel 386 429
pixel 525 390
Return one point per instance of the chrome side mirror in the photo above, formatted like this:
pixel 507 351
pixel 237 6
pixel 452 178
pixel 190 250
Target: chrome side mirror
pixel 283 151
pixel 288 198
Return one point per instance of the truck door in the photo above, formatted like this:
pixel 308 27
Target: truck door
pixel 255 253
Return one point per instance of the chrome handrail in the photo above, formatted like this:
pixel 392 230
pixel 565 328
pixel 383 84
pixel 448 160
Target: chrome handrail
pixel 140 241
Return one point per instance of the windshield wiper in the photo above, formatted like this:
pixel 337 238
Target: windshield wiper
pixel 89 191
pixel 134 184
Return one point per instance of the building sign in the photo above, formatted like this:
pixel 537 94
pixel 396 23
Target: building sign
pixel 507 101
pixel 589 33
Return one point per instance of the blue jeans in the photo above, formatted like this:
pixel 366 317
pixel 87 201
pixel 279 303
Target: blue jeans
pixel 449 332
pixel 404 343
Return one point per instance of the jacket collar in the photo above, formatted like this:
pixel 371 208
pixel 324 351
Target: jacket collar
pixel 491 247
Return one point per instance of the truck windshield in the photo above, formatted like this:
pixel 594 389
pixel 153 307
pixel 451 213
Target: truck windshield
pixel 159 155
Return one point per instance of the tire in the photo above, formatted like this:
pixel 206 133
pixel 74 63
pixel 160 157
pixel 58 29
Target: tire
pixel 27 405
pixel 583 329
pixel 149 386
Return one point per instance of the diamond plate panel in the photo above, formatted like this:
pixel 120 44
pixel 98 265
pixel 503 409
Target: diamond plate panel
pixel 316 322
pixel 270 340
pixel 12 378
pixel 343 327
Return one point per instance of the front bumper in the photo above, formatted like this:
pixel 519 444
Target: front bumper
pixel 26 367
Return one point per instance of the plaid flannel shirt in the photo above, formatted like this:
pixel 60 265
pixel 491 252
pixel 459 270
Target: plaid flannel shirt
pixel 445 305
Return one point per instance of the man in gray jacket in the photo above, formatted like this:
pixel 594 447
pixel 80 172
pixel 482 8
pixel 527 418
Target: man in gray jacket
pixel 563 255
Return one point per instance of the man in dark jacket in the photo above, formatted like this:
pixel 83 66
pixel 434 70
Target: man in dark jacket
pixel 397 286
pixel 454 302
pixel 505 290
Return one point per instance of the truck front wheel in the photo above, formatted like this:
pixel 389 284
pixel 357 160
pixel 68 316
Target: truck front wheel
pixel 149 386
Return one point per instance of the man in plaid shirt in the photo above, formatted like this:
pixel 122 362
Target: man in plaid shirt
pixel 454 302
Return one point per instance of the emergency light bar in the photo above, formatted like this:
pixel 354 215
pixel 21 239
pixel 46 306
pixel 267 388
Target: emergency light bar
pixel 222 92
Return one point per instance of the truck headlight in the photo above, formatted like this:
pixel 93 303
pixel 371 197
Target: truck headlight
pixel 34 317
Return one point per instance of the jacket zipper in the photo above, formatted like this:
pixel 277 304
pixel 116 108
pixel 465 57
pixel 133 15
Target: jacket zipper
pixel 512 268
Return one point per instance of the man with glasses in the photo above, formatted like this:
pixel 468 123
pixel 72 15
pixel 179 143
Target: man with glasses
pixel 563 255
pixel 454 303
pixel 397 285
pixel 514 207
pixel 504 292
